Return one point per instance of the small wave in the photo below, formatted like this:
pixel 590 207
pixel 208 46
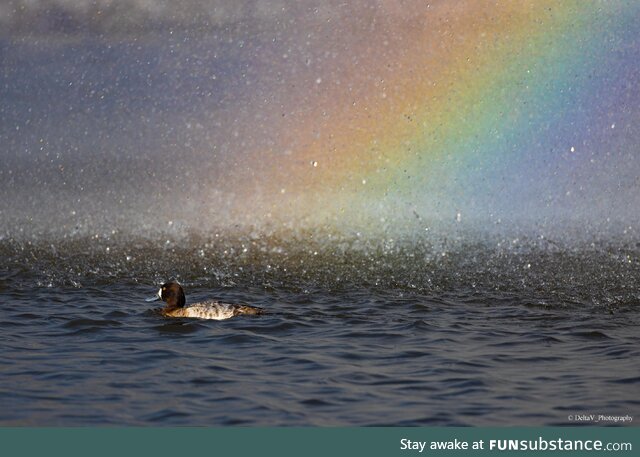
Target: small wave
pixel 630 380
pixel 116 313
pixel 165 416
pixel 592 335
pixel 85 323
pixel 178 327
pixel 316 402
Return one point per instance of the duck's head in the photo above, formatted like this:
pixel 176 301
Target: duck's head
pixel 172 294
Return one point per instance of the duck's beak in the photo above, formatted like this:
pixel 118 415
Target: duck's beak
pixel 158 296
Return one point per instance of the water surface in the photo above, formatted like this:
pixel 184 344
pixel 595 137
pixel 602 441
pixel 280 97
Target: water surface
pixel 355 334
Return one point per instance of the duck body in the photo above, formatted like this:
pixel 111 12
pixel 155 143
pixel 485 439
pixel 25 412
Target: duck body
pixel 173 295
pixel 211 309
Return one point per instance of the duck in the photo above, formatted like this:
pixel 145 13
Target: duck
pixel 173 295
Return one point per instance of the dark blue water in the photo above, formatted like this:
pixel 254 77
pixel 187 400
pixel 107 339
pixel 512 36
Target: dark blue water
pixel 355 334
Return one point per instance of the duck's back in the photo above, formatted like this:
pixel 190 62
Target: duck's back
pixel 213 310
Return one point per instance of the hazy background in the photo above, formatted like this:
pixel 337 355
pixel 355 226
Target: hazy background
pixel 143 116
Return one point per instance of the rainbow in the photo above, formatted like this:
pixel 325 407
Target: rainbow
pixel 437 109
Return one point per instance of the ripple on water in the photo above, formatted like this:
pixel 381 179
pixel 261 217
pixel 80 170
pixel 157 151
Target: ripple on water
pixel 91 323
pixel 165 416
pixel 178 327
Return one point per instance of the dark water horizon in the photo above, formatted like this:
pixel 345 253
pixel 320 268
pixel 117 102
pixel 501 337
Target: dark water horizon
pixel 357 332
